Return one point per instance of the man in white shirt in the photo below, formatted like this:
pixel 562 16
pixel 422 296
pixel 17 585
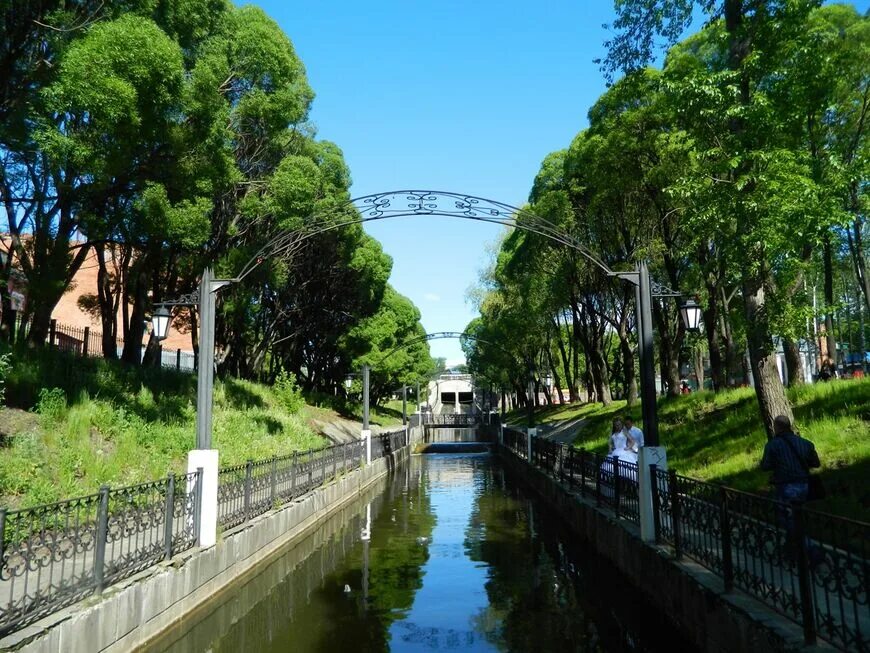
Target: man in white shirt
pixel 635 433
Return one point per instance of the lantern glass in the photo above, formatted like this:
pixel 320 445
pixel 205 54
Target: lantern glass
pixel 160 323
pixel 348 381
pixel 691 311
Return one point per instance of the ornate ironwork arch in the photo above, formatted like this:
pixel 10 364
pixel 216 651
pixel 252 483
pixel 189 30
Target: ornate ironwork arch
pixel 403 203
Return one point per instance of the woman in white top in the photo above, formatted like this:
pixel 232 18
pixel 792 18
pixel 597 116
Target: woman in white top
pixel 622 446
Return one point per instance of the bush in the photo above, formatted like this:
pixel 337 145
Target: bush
pixel 52 403
pixel 288 393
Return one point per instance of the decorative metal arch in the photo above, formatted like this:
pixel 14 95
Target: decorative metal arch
pixel 402 203
pixel 440 335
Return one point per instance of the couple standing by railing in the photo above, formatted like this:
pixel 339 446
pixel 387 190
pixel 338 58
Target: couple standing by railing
pixel 625 440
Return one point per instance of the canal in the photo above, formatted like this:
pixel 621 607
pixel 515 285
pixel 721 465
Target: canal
pixel 448 553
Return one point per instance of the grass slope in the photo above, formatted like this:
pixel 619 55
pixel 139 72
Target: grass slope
pixel 75 424
pixel 719 437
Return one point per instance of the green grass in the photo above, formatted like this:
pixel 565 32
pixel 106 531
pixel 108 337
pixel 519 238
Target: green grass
pixel 93 422
pixel 389 414
pixel 719 437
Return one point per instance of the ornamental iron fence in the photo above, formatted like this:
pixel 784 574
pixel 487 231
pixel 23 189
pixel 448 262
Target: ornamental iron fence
pixel 809 566
pixel 56 554
pixel 449 420
pixel 86 342
pixel 255 487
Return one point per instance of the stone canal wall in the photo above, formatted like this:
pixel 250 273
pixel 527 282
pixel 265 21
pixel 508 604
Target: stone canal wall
pixel 692 596
pixel 131 613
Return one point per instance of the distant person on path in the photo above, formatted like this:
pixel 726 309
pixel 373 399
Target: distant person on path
pixel 633 432
pixel 789 457
pixel 826 372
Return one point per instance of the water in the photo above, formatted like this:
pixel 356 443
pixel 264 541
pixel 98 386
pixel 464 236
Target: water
pixel 459 558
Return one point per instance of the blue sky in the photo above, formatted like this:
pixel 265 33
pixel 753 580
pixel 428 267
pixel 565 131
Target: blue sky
pixel 464 96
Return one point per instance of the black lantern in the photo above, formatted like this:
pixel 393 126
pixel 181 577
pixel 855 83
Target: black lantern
pixel 160 323
pixel 691 311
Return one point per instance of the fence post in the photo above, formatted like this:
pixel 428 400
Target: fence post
pixel 273 486
pixel 725 529
pixel 293 468
pixel 569 463
pixel 808 613
pixel 102 536
pixel 2 532
pixel 597 480
pixel 674 493
pixel 344 458
pixel 85 338
pixel 52 332
pixel 178 359
pixel 249 471
pixel 616 477
pixel 310 469
pixel 654 489
pixel 197 503
pixel 169 514
pixel 561 460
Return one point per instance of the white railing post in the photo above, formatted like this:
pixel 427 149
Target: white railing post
pixel 207 459
pixel 648 456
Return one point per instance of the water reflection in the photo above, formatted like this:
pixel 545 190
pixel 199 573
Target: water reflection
pixel 450 554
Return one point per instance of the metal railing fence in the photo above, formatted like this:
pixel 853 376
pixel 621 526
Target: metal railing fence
pixel 56 554
pixel 86 342
pixel 809 566
pixel 387 443
pixel 254 487
pixel 451 419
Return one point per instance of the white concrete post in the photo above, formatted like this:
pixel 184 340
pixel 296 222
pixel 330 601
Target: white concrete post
pixel 648 456
pixel 367 436
pixel 207 459
pixel 531 432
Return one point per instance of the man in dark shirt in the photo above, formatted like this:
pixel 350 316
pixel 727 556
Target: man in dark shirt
pixel 789 457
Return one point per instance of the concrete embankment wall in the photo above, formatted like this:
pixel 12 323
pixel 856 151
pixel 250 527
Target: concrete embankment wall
pixel 692 596
pixel 129 614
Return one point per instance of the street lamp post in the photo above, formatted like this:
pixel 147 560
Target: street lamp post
pixel 651 453
pixel 404 405
pixel 203 457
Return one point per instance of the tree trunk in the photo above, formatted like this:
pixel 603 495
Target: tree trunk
pixel 628 369
pixel 669 349
pixel 698 364
pixel 135 331
pixel 599 374
pixel 569 377
pixel 829 300
pixel 727 335
pixel 793 362
pixel 108 303
pixel 711 323
pixel 762 358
